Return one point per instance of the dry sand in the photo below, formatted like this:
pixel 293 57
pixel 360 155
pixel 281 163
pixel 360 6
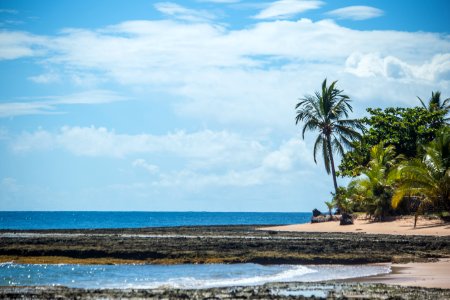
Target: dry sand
pixel 428 275
pixel 400 226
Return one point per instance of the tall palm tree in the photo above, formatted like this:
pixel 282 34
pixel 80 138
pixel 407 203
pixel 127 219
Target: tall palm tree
pixel 324 112
pixel 377 180
pixel 436 104
pixel 427 178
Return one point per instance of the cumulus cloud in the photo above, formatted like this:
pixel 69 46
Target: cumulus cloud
pixel 207 145
pixel 250 75
pixel 284 9
pixel 373 64
pixel 211 158
pixel 356 13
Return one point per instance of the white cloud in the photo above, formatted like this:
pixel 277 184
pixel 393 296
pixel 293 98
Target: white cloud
pixel 249 75
pixel 288 156
pixel 208 157
pixel 356 13
pixel 141 163
pixel 193 180
pixel 373 64
pixel 17 44
pixel 46 78
pixel 219 1
pixel 208 146
pixel 284 9
pixel 49 104
pixel 182 13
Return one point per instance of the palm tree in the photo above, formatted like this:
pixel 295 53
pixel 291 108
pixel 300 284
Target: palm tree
pixel 330 206
pixel 377 180
pixel 427 178
pixel 436 104
pixel 323 112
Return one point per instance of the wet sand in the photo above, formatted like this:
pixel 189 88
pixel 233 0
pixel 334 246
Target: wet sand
pixel 427 275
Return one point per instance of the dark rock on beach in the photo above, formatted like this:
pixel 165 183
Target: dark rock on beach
pixel 346 219
pixel 326 290
pixel 214 244
pixel 316 212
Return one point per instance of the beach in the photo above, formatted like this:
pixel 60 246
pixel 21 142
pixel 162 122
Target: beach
pixel 419 262
pixel 434 274
pixel 396 226
pixel 428 275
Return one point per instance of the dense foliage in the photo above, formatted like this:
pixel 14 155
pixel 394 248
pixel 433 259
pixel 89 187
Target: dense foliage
pixel 403 128
pixel 400 163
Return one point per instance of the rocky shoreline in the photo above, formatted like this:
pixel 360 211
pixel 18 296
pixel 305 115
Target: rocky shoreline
pixel 321 290
pixel 214 244
pixel 220 244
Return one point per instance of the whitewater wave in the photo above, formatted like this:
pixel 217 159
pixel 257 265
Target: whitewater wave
pixel 294 273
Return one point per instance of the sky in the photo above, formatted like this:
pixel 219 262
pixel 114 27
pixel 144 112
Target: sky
pixel 189 105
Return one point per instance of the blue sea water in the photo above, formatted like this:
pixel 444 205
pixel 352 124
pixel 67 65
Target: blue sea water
pixel 177 276
pixel 95 219
pixel 153 276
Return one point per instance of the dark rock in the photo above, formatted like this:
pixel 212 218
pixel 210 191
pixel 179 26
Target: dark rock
pixel 320 219
pixel 316 212
pixel 346 219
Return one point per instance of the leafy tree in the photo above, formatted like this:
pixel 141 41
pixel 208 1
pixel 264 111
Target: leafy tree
pixel 427 178
pixel 403 128
pixel 342 200
pixel 325 112
pixel 377 180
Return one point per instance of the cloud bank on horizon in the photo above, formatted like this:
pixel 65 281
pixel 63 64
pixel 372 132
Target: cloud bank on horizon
pixel 189 105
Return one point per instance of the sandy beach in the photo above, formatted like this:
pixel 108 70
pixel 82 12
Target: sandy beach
pixel 399 226
pixel 427 275
pixel 423 274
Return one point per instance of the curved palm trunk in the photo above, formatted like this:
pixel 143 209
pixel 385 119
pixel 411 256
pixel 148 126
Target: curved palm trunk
pixel 333 171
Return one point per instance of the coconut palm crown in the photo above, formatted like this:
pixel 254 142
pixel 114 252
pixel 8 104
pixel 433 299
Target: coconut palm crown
pixel 436 104
pixel 327 112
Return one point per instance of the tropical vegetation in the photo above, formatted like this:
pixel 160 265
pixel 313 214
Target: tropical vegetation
pixel 398 158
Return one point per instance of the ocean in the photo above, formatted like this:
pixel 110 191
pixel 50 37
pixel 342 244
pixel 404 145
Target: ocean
pixel 187 276
pixel 154 276
pixel 95 219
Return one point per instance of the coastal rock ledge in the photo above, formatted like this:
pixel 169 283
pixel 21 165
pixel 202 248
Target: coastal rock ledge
pixel 321 290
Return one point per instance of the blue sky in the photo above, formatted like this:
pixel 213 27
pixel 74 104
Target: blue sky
pixel 189 105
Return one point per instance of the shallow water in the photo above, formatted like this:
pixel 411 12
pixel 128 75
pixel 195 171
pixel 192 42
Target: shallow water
pixel 178 276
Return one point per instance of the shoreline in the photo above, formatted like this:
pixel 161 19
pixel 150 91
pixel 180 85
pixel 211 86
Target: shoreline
pixel 402 226
pixel 238 244
pixel 219 244
pixel 426 275
pixel 320 290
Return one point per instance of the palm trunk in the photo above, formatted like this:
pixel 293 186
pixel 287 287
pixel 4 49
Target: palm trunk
pixel 333 171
